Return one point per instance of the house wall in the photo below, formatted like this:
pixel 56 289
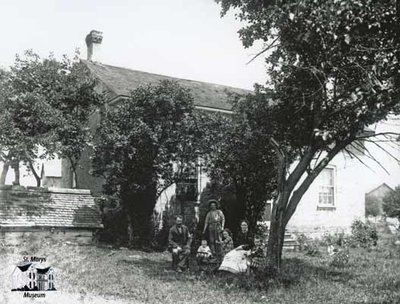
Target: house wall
pixel 352 181
pixel 85 179
pixel 349 191
pixel 40 236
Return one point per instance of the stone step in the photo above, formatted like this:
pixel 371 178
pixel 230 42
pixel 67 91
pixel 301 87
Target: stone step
pixel 290 243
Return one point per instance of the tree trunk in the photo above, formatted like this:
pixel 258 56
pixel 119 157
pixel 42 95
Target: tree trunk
pixel 15 166
pixel 3 176
pixel 129 230
pixel 37 177
pixel 74 175
pixel 276 237
pixel 288 200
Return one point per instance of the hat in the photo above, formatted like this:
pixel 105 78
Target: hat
pixel 212 201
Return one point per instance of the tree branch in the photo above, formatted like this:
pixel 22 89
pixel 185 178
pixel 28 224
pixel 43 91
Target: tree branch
pixel 356 157
pixel 369 155
pixel 282 164
pixel 270 46
pixel 299 192
pixel 37 177
pixel 376 135
pixel 383 149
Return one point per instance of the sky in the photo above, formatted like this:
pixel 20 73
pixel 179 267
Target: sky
pixel 181 38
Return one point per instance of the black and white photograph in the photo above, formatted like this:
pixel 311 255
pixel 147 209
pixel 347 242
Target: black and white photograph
pixel 200 151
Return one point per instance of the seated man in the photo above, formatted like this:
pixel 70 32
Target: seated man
pixel 179 244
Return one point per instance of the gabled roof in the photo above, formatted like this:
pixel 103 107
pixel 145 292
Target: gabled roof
pixel 42 207
pixel 24 267
pixel 43 270
pixel 383 185
pixel 120 81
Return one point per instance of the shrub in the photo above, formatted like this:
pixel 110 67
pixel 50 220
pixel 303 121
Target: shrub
pixel 312 248
pixel 302 241
pixel 363 234
pixel 336 239
pixel 341 259
pixel 114 221
pixel 391 203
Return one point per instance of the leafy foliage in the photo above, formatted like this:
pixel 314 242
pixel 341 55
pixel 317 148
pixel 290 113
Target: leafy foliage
pixel 334 69
pixel 363 234
pixel 142 145
pixel 45 105
pixel 391 203
pixel 241 164
pixel 341 259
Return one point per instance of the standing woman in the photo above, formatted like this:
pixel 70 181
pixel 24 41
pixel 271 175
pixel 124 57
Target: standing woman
pixel 214 222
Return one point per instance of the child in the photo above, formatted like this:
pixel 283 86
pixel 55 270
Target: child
pixel 204 251
pixel 257 256
pixel 227 242
pixel 203 255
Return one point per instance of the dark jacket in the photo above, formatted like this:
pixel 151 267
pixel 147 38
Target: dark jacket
pixel 245 239
pixel 176 239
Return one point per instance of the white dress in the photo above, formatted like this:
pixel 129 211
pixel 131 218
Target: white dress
pixel 235 261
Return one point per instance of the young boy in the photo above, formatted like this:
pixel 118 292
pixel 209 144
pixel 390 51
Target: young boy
pixel 256 256
pixel 203 255
pixel 204 251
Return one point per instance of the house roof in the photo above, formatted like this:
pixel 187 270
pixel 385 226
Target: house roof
pixel 48 207
pixel 43 270
pixel 120 81
pixel 383 185
pixel 24 267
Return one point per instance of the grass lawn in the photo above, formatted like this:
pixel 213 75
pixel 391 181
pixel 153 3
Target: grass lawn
pixel 128 276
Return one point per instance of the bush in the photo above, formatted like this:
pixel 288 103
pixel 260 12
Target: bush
pixel 391 203
pixel 341 259
pixel 336 239
pixel 363 234
pixel 114 221
pixel 302 241
pixel 308 245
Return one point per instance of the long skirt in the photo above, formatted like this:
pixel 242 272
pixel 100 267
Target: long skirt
pixel 215 239
pixel 235 261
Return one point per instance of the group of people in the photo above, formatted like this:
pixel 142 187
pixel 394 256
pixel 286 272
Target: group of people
pixel 244 253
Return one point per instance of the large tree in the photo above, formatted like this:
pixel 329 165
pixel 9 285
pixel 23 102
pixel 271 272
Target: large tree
pixel 45 105
pixel 238 161
pixel 142 145
pixel 334 69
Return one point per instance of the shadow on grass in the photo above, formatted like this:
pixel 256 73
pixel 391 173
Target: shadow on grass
pixel 294 272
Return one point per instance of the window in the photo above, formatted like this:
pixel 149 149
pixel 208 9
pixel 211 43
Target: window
pixel 326 188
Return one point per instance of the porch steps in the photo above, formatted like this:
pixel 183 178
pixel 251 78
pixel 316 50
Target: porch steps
pixel 290 242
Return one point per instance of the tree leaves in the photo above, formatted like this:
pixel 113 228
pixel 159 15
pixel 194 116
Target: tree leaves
pixel 46 103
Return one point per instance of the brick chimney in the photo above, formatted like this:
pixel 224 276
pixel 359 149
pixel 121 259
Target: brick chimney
pixel 93 41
